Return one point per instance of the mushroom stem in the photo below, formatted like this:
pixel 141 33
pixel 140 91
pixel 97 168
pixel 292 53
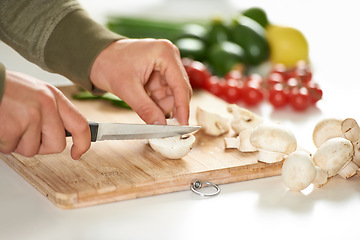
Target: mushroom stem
pixel 245 144
pixel 349 170
pixel 321 177
pixel 350 129
pixel 232 142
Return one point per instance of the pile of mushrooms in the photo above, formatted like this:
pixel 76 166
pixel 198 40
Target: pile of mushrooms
pixel 337 153
pixel 337 142
pixel 272 141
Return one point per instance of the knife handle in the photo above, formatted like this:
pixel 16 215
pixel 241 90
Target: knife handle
pixel 94 126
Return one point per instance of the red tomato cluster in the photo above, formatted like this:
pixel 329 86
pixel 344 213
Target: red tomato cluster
pixel 281 87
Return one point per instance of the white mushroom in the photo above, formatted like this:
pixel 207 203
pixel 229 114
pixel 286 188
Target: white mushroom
pixel 243 118
pixel 212 123
pixel 173 147
pixel 298 171
pixel 334 156
pixel 273 142
pixel 326 129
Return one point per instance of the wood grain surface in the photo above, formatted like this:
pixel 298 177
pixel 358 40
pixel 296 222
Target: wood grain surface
pixel 118 170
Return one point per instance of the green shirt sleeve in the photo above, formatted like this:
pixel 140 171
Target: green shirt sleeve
pixel 2 80
pixel 73 46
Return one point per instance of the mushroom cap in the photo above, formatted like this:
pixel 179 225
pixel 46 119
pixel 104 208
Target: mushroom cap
pixel 274 138
pixel 298 171
pixel 333 155
pixel 173 147
pixel 326 129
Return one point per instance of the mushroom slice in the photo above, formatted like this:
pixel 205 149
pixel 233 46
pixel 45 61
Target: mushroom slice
pixel 334 155
pixel 173 147
pixel 212 123
pixel 273 142
pixel 232 142
pixel 326 129
pixel 243 118
pixel 298 171
pixel 245 144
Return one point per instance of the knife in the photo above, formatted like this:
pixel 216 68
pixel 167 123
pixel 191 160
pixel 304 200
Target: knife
pixel 128 131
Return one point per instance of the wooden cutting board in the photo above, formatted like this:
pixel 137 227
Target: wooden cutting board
pixel 118 170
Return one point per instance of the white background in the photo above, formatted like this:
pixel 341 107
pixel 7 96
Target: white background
pixel 256 209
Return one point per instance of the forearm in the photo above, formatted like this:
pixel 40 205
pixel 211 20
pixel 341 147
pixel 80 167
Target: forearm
pixel 57 35
pixel 73 46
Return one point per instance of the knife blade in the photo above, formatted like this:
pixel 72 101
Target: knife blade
pixel 128 131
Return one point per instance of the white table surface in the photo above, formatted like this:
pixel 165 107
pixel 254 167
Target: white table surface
pixel 256 209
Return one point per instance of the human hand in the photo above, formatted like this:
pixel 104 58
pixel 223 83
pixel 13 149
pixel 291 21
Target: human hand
pixel 148 75
pixel 34 116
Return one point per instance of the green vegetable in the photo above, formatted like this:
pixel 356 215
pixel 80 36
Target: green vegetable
pixel 218 31
pixel 193 48
pixel 146 28
pixel 223 56
pixel 251 37
pixel 257 14
pixel 85 95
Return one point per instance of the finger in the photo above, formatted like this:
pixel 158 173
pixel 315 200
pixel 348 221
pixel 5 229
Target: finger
pixel 74 122
pixel 177 79
pixel 143 105
pixel 30 142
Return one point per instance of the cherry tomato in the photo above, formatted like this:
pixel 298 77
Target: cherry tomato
pixel 197 72
pixel 233 91
pixel 217 86
pixel 299 98
pixel 303 72
pixel 252 92
pixel 314 91
pixel 274 78
pixel 234 74
pixel 278 96
pixel 280 69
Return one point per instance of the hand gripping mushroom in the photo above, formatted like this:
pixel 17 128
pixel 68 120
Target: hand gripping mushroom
pixel 273 142
pixel 334 157
pixel 173 147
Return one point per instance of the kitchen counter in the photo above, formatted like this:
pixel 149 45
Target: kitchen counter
pixel 255 209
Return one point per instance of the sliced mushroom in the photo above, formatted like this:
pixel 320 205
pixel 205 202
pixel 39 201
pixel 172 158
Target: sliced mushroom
pixel 334 155
pixel 298 170
pixel 326 129
pixel 273 142
pixel 212 123
pixel 243 118
pixel 173 147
